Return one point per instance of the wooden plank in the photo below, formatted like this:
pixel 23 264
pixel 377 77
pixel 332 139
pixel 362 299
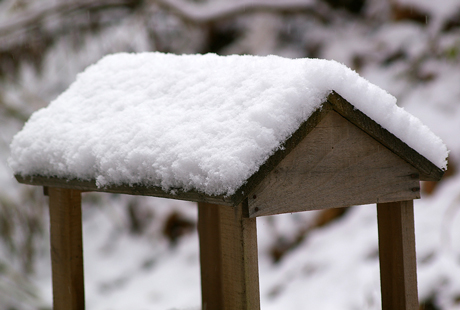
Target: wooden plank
pixel 229 258
pixel 240 272
pixel 135 189
pixel 398 267
pixel 210 256
pixel 66 249
pixel 428 171
pixel 336 165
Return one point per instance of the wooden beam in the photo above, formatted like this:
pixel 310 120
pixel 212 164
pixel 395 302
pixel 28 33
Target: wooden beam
pixel 398 267
pixel 210 256
pixel 228 257
pixel 133 189
pixel 66 249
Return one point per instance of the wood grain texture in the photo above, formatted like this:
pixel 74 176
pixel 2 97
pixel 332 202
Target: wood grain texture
pixel 66 249
pixel 229 262
pixel 336 165
pixel 210 256
pixel 398 267
pixel 428 171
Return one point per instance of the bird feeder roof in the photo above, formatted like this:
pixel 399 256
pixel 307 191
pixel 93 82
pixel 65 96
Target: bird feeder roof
pixel 204 123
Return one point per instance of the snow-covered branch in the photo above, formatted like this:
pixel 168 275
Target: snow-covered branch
pixel 29 18
pixel 201 13
pixel 197 13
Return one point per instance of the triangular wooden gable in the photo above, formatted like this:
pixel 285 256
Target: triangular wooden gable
pixel 336 165
pixel 390 157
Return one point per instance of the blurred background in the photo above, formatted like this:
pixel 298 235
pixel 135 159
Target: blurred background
pixel 142 252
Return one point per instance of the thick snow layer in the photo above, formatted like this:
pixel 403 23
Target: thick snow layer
pixel 202 122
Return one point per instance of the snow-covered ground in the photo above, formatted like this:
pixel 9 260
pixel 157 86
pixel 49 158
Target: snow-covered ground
pixel 131 260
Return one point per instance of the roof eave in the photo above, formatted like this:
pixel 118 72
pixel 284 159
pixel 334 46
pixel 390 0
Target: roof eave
pixel 129 189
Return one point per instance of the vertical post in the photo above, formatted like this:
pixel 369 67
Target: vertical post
pixel 228 258
pixel 398 267
pixel 66 249
pixel 210 256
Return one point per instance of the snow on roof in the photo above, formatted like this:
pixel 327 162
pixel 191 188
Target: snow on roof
pixel 201 122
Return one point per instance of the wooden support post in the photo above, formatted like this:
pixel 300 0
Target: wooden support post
pixel 398 267
pixel 228 258
pixel 210 256
pixel 66 249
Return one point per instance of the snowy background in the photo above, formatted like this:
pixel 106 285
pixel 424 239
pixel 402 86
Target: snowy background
pixel 142 252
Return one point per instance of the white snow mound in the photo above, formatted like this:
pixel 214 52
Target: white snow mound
pixel 201 122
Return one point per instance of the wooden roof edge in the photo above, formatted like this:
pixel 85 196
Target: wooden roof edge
pixel 135 189
pixel 428 171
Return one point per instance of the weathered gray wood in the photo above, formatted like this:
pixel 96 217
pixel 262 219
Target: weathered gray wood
pixel 398 268
pixel 428 171
pixel 336 165
pixel 66 249
pixel 136 189
pixel 228 258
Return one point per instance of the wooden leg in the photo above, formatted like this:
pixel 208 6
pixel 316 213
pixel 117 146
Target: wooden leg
pixel 398 268
pixel 228 258
pixel 210 259
pixel 66 249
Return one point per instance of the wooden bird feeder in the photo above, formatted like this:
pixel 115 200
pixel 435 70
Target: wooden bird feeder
pixel 338 157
